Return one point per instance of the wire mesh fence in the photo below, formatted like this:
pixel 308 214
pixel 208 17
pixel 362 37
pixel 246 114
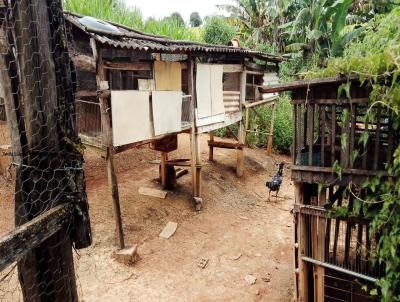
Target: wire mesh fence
pixel 44 212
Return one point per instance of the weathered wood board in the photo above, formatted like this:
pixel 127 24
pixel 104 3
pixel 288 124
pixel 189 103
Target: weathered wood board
pixel 209 89
pixel 167 111
pixel 153 192
pixel 146 84
pixel 130 117
pixel 168 76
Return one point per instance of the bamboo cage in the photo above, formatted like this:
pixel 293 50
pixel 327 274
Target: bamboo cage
pixel 334 255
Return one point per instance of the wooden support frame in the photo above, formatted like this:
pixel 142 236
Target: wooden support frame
pixel 271 131
pixel 302 245
pixel 211 147
pixel 251 106
pixel 107 140
pixel 26 237
pixel 320 231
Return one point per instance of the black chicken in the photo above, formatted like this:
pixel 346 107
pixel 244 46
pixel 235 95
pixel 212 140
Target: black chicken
pixel 275 184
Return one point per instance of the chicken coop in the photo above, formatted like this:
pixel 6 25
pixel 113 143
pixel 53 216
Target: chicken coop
pixel 135 89
pixel 333 254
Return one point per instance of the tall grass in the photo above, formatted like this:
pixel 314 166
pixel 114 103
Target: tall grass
pixel 171 27
pixel 110 10
pixel 118 12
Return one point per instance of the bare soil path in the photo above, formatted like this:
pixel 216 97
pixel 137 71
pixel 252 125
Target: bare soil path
pixel 238 230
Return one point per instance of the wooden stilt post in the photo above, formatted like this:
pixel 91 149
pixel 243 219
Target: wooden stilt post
pixel 241 131
pixel 240 152
pixel 302 247
pixel 271 131
pixel 194 138
pixel 163 166
pixel 211 151
pixel 247 125
pixel 319 271
pixel 107 141
pixel 113 183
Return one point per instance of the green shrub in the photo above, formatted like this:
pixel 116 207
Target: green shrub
pixel 260 126
pixel 217 31
pixel 260 123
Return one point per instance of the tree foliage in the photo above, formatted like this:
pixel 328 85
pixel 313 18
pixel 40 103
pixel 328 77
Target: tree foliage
pixel 177 17
pixel 195 19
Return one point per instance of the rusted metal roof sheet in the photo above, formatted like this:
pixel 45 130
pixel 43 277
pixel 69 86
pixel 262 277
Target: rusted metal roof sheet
pixel 129 38
pixel 306 84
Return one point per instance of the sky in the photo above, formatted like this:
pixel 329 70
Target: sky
pixel 163 8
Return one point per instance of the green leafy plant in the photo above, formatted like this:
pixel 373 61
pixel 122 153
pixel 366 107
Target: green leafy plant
pixel 217 31
pixel 283 127
pixel 376 60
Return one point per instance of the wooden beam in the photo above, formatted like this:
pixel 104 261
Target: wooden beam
pixel 146 66
pixel 84 62
pixel 232 68
pixel 358 172
pixel 271 132
pixel 268 101
pixel 226 145
pixel 211 148
pixel 85 93
pixel 26 237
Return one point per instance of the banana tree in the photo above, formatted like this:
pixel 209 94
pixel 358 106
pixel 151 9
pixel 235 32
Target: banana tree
pixel 318 26
pixel 259 20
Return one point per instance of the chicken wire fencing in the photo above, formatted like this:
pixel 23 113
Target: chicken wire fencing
pixel 44 212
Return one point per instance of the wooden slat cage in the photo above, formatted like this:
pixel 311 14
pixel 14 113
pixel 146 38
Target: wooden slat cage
pixel 335 149
pixel 330 130
pixel 334 255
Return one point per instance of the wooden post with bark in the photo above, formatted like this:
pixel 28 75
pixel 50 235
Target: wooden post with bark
pixel 107 139
pixel 194 137
pixel 271 131
pixel 241 128
pixel 40 114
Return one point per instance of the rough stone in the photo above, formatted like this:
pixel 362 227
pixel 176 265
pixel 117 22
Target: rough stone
pixel 128 255
pixel 169 230
pixel 250 279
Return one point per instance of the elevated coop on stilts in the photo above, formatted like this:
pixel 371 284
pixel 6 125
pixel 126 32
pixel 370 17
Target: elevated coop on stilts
pixel 135 89
pixel 331 160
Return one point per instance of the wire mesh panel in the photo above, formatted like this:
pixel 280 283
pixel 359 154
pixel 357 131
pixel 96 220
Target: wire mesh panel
pixel 46 208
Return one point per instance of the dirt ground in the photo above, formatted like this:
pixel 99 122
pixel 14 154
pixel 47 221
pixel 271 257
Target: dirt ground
pixel 236 220
pixel 238 230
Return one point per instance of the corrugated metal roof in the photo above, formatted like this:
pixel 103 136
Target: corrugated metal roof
pixel 131 39
pixel 306 84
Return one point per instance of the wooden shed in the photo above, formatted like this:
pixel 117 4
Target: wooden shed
pixel 331 160
pixel 135 88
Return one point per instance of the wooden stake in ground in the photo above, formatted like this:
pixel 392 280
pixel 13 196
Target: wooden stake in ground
pixel 108 142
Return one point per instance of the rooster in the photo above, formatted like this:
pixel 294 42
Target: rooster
pixel 275 184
